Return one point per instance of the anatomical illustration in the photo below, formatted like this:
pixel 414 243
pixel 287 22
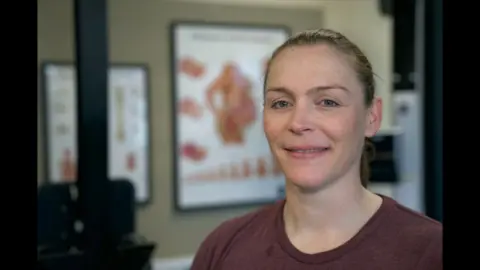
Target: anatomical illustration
pixel 253 168
pixel 131 161
pixel 189 107
pixel 234 171
pixel 191 67
pixel 68 169
pixel 261 167
pixel 62 129
pixel 222 173
pixel 247 171
pixel 59 108
pixel 193 152
pixel 120 114
pixel 236 110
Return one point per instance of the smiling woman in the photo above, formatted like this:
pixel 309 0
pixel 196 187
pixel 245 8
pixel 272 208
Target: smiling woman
pixel 319 110
pixel 335 93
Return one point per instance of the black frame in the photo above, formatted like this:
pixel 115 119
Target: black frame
pixel 173 68
pixel 44 101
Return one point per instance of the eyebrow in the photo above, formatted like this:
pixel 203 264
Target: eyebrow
pixel 313 89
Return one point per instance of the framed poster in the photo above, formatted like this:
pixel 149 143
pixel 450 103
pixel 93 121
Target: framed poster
pixel 221 156
pixel 128 120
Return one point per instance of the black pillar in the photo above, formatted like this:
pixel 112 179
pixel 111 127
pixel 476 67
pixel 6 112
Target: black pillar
pixel 433 99
pixel 91 65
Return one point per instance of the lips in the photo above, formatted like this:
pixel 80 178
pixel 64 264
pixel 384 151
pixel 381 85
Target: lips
pixel 306 151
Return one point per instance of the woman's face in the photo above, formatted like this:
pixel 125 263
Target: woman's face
pixel 315 118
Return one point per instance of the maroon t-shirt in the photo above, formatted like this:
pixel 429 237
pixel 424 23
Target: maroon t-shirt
pixel 395 238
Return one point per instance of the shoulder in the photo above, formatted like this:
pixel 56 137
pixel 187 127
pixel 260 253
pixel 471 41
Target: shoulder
pixel 419 235
pixel 416 223
pixel 214 245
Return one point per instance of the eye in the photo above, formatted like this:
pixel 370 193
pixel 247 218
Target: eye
pixel 329 103
pixel 281 104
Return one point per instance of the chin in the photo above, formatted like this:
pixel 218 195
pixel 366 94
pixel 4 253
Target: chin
pixel 307 179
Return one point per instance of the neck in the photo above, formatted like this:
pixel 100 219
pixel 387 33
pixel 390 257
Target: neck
pixel 339 206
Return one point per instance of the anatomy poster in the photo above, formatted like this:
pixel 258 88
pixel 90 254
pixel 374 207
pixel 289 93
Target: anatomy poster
pixel 127 119
pixel 61 124
pixel 221 154
pixel 128 128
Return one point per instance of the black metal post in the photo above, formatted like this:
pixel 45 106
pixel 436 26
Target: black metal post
pixel 433 101
pixel 92 67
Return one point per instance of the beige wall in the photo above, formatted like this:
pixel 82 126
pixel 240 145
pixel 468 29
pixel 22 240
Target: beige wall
pixel 138 32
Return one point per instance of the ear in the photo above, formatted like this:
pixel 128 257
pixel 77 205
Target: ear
pixel 374 117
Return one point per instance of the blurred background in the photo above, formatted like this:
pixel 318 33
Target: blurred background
pixel 145 52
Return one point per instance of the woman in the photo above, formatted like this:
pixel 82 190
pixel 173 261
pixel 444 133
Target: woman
pixel 320 106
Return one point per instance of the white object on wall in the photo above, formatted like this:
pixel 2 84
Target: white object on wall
pixel 409 190
pixel 179 263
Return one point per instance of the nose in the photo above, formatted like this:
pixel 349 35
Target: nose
pixel 301 121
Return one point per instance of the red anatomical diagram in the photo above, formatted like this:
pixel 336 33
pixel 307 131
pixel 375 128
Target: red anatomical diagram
pixel 261 167
pixel 246 169
pixel 189 107
pixel 191 67
pixel 193 152
pixel 131 162
pixel 237 109
pixel 68 168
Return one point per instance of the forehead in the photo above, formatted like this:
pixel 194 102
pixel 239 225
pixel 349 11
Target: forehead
pixel 303 67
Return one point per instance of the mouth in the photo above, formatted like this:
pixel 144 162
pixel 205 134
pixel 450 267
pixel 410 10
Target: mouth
pixel 306 152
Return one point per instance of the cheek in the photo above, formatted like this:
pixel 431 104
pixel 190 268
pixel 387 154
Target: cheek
pixel 272 126
pixel 347 128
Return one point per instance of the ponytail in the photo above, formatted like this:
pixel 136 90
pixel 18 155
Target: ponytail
pixel 367 156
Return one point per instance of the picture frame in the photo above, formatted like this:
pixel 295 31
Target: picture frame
pixel 221 157
pixel 128 115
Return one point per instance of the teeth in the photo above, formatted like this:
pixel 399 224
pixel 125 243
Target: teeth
pixel 309 150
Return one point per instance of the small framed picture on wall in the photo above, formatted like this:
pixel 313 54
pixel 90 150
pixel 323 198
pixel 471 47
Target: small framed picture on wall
pixel 128 124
